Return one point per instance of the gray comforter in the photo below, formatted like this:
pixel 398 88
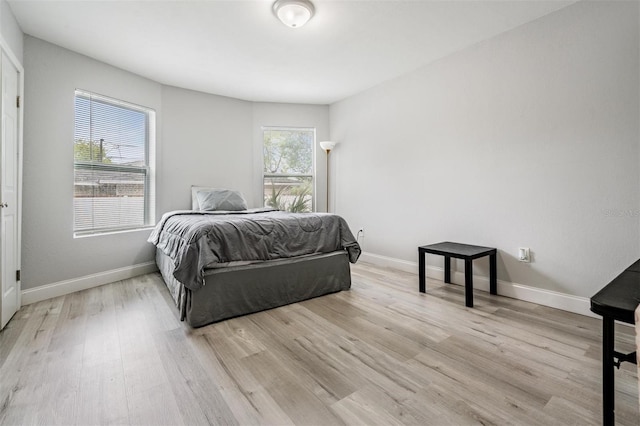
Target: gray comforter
pixel 196 240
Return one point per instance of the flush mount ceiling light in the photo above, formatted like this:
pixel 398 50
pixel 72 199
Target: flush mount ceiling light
pixel 293 13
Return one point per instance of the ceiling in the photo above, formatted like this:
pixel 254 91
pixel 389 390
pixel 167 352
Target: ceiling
pixel 238 48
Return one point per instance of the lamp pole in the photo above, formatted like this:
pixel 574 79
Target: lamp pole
pixel 328 151
pixel 327 146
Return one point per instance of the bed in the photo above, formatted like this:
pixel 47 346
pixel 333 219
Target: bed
pixel 637 318
pixel 220 263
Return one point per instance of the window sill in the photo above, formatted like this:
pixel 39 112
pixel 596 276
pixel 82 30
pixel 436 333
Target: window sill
pixel 111 232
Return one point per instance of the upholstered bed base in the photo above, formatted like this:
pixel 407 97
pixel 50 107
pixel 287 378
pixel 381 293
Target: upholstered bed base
pixel 240 290
pixel 637 318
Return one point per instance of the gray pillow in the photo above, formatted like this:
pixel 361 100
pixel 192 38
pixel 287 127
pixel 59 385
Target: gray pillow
pixel 194 195
pixel 195 205
pixel 221 199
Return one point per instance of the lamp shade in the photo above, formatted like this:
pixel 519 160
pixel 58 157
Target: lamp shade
pixel 293 13
pixel 327 145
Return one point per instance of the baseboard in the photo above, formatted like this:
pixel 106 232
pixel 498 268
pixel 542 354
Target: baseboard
pixel 552 299
pixel 566 302
pixel 62 288
pixel 390 262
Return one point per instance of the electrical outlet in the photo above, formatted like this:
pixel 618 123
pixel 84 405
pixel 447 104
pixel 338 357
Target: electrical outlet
pixel 524 255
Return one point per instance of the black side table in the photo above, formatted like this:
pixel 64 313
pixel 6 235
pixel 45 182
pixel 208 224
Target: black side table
pixel 460 251
pixel 617 301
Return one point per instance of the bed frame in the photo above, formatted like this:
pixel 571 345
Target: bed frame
pixel 239 290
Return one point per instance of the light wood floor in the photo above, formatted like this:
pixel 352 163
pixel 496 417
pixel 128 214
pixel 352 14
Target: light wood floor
pixel 381 353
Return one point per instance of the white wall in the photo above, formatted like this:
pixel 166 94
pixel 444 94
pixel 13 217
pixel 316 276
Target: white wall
pixel 201 139
pixel 217 141
pixel 207 142
pixel 530 139
pixel 10 30
pixel 49 252
pixel 290 115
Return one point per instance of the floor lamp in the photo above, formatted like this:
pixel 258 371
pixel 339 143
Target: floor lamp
pixel 327 146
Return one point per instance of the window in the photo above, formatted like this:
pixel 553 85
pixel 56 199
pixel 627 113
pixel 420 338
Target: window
pixel 113 185
pixel 288 168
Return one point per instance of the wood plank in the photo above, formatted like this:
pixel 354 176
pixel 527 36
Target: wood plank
pixel 102 397
pixel 381 353
pixel 196 395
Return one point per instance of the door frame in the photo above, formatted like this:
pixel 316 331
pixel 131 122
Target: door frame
pixel 18 65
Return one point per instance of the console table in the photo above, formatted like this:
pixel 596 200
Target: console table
pixel 459 251
pixel 617 301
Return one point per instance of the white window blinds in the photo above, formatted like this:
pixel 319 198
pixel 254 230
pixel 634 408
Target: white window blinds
pixel 112 180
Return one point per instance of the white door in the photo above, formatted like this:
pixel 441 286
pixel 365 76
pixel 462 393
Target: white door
pixel 9 191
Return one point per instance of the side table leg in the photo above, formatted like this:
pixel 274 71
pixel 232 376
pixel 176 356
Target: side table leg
pixel 468 283
pixel 421 274
pixel 493 274
pixel 447 269
pixel 608 382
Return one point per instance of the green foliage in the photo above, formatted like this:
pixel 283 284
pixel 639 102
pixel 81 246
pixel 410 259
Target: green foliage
pixel 91 151
pixel 288 154
pixel 300 202
pixel 274 200
pixel 288 151
pixel 295 198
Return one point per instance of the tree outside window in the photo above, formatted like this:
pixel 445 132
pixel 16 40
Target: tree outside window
pixel 288 168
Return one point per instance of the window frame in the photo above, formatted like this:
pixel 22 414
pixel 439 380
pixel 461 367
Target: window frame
pixel 312 175
pixel 147 170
